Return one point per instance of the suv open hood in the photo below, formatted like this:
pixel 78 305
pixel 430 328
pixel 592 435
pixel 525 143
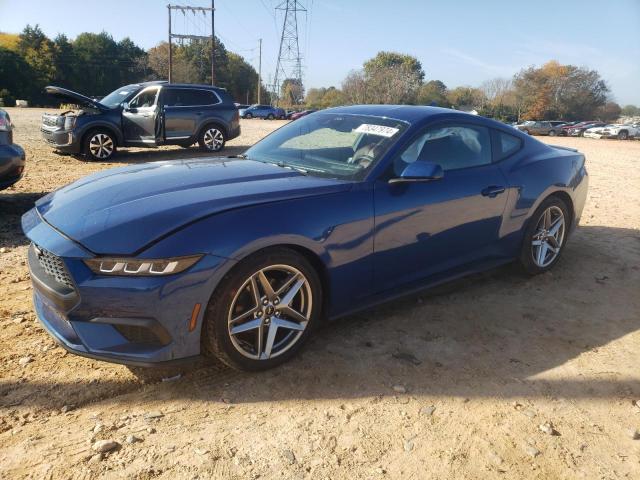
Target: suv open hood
pixel 122 210
pixel 73 97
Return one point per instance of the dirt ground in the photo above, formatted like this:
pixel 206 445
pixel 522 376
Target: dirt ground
pixel 451 383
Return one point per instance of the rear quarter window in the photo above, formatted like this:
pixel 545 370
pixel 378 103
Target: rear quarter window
pixel 507 144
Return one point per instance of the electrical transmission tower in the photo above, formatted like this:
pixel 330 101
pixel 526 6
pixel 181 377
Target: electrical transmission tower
pixel 289 63
pixel 181 37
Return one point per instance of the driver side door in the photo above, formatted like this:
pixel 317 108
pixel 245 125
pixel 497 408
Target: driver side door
pixel 431 227
pixel 140 117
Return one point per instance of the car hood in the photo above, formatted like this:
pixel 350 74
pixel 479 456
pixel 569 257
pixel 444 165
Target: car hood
pixel 123 210
pixel 73 97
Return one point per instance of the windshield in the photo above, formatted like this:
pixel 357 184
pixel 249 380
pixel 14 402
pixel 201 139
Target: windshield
pixel 118 96
pixel 330 144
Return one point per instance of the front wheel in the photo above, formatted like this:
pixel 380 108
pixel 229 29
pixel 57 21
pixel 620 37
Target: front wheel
pixel 211 139
pixel 99 145
pixel 263 311
pixel 248 116
pixel 623 135
pixel 270 116
pixel 552 133
pixel 545 236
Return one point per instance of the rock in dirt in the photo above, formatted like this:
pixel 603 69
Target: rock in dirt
pixel 399 389
pixel 634 434
pixel 97 458
pixel 428 411
pixel 151 430
pixel 548 428
pixel 133 439
pixel 289 456
pixel 408 445
pixel 495 458
pixel 24 360
pixel 67 408
pixel 103 446
pixel 154 414
pixel 531 451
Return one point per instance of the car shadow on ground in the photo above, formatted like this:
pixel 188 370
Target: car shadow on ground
pixel 497 334
pixel 12 206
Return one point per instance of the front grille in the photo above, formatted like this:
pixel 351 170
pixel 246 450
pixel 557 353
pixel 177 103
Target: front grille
pixel 53 266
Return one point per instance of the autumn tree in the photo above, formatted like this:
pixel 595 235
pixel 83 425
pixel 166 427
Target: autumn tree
pixel 393 78
pixel 355 88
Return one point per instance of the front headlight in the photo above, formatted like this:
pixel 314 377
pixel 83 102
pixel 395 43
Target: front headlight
pixel 140 267
pixel 69 122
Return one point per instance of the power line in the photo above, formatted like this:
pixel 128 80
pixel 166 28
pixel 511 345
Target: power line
pixel 289 64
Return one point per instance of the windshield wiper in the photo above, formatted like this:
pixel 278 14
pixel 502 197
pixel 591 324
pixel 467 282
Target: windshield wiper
pixel 241 156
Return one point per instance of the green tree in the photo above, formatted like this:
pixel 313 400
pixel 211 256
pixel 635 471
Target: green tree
pixel 15 77
pixel 630 111
pixel 392 78
pixel 433 92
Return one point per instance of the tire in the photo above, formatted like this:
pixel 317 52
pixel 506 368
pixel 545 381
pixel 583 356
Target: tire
pixel 248 116
pixel 212 138
pixel 99 145
pixel 623 135
pixel 270 116
pixel 540 231
pixel 552 133
pixel 264 338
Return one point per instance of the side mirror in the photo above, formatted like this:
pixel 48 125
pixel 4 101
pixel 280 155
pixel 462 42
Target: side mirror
pixel 419 172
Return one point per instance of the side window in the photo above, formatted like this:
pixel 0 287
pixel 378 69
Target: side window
pixel 184 97
pixel 452 147
pixel 146 98
pixel 508 144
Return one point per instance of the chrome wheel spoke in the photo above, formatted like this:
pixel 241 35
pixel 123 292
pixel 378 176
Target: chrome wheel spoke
pixel 294 314
pixel 245 327
pixel 267 289
pixel 282 323
pixel 285 301
pixel 271 337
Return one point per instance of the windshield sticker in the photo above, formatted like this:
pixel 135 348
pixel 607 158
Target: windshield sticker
pixel 380 130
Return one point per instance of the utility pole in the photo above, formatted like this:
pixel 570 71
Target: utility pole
pixel 182 37
pixel 259 68
pixel 170 53
pixel 289 63
pixel 213 43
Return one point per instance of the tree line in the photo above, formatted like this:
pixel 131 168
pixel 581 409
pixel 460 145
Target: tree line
pixel 95 64
pixel 552 91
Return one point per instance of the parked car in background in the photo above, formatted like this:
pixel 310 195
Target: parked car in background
pixel 539 128
pixel 619 131
pixel 242 106
pixel 12 157
pixel 565 128
pixel 244 258
pixel 579 129
pixel 142 115
pixel 303 113
pixel 263 111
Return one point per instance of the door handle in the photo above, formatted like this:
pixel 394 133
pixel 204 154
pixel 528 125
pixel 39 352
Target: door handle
pixel 492 191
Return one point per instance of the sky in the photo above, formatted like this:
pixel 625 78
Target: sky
pixel 461 42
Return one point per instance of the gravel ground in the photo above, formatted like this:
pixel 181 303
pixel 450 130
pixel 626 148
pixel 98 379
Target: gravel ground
pixel 496 375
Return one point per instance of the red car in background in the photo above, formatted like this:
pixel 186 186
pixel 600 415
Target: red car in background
pixel 304 113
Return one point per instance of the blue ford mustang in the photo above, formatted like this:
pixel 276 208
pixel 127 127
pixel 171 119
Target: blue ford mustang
pixel 242 257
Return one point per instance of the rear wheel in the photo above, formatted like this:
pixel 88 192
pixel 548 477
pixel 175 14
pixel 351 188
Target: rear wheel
pixel 263 311
pixel 248 115
pixel 211 139
pixel 545 236
pixel 99 145
pixel 623 135
pixel 270 116
pixel 552 133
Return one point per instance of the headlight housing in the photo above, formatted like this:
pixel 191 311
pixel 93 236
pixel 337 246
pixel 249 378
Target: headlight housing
pixel 136 267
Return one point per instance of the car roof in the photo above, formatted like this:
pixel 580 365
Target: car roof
pixel 413 113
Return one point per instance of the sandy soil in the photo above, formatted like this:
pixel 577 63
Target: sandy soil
pixel 452 383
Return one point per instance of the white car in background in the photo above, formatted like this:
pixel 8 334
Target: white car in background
pixel 619 131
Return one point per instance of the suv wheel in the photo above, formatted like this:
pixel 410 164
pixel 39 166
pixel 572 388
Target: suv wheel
pixel 248 115
pixel 270 116
pixel 211 139
pixel 552 133
pixel 99 145
pixel 623 135
pixel 263 311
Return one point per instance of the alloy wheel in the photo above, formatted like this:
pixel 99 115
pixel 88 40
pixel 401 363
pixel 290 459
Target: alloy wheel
pixel 548 237
pixel 270 312
pixel 101 145
pixel 213 139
